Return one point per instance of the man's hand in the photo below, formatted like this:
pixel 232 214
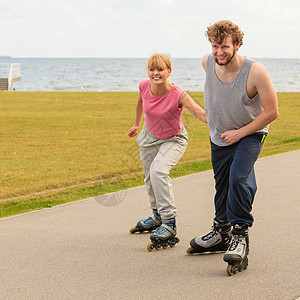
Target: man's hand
pixel 231 136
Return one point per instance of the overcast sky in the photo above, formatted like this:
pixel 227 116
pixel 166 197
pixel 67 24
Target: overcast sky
pixel 138 28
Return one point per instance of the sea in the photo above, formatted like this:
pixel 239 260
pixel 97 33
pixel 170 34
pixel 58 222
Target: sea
pixel 124 74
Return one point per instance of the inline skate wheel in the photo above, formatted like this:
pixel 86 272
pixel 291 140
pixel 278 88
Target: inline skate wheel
pixel 133 230
pixel 191 251
pixel 174 242
pixel 150 246
pixel 237 267
pixel 232 269
pixel 243 265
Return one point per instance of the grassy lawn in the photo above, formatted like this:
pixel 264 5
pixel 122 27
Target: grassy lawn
pixel 58 147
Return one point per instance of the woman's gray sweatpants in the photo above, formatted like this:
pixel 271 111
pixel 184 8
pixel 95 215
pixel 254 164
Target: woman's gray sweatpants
pixel 158 158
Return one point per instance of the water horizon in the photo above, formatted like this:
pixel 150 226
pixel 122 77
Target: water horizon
pixel 127 57
pixel 124 74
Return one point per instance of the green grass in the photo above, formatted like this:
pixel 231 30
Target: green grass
pixel 58 147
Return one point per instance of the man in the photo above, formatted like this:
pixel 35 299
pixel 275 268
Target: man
pixel 240 102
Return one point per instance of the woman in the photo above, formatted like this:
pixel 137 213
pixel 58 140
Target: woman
pixel 162 142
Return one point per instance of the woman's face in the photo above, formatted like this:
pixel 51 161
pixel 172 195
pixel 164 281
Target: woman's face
pixel 159 75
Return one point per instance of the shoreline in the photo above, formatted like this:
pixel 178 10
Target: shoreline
pixel 188 91
pixel 110 74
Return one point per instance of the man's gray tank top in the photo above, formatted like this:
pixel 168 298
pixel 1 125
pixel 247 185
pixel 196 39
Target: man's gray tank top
pixel 227 104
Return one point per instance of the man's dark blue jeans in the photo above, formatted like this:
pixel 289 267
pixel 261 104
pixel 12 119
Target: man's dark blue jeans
pixel 235 182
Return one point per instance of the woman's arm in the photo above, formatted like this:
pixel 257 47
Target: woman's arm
pixel 138 118
pixel 192 106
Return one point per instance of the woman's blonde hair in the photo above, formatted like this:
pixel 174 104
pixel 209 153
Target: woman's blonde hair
pixel 159 61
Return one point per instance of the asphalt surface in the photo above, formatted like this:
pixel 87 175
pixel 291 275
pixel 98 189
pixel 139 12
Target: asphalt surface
pixel 84 250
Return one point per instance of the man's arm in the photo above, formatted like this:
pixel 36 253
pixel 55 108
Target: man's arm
pixel 258 81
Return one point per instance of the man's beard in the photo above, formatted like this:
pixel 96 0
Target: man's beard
pixel 227 61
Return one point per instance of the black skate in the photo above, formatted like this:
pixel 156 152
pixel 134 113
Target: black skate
pixel 216 241
pixel 149 224
pixel 236 255
pixel 164 236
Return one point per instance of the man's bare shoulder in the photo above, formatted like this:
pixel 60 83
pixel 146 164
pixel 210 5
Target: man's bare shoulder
pixel 204 60
pixel 258 69
pixel 259 81
pixel 258 73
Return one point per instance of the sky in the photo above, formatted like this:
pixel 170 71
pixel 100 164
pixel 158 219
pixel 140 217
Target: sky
pixel 139 28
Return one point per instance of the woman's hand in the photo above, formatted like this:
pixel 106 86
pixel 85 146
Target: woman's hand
pixel 133 131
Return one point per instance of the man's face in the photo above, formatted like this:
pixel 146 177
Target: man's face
pixel 224 53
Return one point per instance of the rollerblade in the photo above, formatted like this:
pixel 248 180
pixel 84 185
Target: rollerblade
pixel 236 255
pixel 164 236
pixel 149 224
pixel 216 241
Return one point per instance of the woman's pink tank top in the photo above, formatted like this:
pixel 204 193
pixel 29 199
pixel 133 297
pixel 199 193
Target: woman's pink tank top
pixel 162 115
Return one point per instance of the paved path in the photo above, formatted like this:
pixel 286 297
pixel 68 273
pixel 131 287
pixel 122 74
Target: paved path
pixel 83 250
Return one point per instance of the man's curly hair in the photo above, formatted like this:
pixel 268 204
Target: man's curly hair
pixel 220 30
